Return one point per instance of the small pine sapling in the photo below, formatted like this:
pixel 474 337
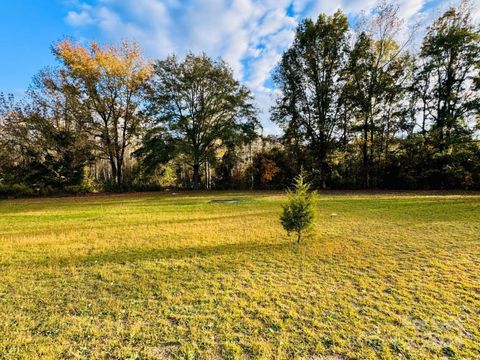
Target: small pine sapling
pixel 298 212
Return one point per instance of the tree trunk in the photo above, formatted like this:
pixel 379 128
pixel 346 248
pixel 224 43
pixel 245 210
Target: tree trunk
pixel 299 236
pixel 321 161
pixel 371 161
pixel 113 168
pixel 119 173
pixel 323 173
pixel 366 170
pixel 196 175
pixel 116 162
pixel 252 178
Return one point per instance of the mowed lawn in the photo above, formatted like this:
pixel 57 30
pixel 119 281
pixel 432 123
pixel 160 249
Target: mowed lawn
pixel 174 276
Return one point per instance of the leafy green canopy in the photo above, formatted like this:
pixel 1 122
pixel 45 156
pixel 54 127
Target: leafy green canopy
pixel 309 79
pixel 199 106
pixel 451 63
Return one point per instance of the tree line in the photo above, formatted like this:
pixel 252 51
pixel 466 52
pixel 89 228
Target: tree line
pixel 358 108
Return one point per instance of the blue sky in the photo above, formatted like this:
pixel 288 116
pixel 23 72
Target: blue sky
pixel 249 34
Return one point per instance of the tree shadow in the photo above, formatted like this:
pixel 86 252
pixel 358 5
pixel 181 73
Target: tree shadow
pixel 80 224
pixel 134 254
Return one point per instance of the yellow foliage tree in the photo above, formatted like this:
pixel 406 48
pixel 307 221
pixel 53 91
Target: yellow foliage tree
pixel 110 81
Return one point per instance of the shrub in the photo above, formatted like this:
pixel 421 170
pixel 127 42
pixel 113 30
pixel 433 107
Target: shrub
pixel 74 190
pixel 298 212
pixel 145 187
pixel 15 190
pixel 20 190
pixel 47 190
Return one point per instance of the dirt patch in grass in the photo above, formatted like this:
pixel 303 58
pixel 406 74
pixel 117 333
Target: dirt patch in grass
pixel 224 201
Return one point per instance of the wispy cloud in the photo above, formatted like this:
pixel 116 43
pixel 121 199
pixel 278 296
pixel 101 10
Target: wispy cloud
pixel 249 34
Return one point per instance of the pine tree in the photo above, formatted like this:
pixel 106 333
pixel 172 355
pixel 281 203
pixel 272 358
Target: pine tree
pixel 298 213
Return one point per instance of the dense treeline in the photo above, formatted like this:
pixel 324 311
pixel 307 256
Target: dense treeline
pixel 361 111
pixel 358 109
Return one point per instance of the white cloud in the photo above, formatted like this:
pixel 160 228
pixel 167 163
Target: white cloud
pixel 249 34
pixel 80 17
pixel 241 31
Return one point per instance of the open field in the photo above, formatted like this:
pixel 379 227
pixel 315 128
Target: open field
pixel 164 276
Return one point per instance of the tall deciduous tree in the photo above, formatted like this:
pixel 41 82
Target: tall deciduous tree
pixel 14 139
pixel 309 78
pixel 109 82
pixel 450 64
pixel 375 73
pixel 59 115
pixel 200 106
pixel 39 149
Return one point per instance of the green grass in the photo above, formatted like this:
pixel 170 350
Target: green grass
pixel 163 276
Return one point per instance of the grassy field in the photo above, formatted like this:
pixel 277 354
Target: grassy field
pixel 165 276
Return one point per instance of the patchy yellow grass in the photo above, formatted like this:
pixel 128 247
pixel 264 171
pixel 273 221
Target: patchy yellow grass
pixel 164 276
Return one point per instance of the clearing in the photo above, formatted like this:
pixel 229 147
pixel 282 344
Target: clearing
pixel 392 275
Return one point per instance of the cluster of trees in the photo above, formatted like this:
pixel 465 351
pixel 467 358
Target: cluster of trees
pixel 358 109
pixel 108 119
pixel 361 111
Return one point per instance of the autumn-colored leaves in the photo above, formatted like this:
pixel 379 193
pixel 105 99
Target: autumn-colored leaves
pixel 123 63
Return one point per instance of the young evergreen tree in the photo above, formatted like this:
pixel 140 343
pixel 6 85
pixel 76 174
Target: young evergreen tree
pixel 298 213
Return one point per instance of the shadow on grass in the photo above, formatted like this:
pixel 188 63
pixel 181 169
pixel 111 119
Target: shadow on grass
pixel 133 254
pixel 100 222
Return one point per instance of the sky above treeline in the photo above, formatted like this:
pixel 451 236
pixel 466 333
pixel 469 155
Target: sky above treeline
pixel 249 34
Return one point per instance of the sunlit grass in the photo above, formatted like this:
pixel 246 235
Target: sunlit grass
pixel 162 276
